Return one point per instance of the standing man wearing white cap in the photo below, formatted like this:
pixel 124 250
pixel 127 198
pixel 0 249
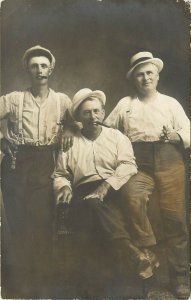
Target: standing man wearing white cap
pixel 91 176
pixel 29 143
pixel 159 130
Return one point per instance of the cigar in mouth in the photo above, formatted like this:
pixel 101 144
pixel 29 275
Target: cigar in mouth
pixel 102 124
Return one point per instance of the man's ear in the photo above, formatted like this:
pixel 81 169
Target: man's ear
pixel 50 71
pixel 103 111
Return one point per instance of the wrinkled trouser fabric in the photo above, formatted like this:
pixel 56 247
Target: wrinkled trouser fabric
pixel 103 219
pixel 160 167
pixel 28 213
pixel 103 223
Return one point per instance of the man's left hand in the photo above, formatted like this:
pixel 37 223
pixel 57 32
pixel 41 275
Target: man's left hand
pixel 100 192
pixel 174 138
pixel 168 136
pixel 67 140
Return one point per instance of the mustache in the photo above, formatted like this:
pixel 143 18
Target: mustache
pixel 42 77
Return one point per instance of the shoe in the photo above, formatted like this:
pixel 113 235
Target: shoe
pixel 181 290
pixel 144 267
pixel 152 258
pixel 135 258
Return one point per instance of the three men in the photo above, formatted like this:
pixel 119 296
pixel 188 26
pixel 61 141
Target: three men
pixel 100 166
pixel 159 130
pixel 29 143
pixel 91 176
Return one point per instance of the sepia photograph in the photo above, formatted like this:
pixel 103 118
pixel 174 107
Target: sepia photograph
pixel 95 149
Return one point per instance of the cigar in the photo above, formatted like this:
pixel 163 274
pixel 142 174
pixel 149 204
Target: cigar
pixel 102 124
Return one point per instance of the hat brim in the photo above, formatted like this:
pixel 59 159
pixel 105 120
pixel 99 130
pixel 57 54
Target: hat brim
pixel 98 94
pixel 156 61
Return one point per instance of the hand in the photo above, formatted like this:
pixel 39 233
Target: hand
pixel 169 136
pixel 174 138
pixel 67 140
pixel 64 195
pixel 165 134
pixel 7 147
pixel 100 192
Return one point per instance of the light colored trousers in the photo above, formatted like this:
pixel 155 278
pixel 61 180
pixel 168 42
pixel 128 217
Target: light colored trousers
pixel 161 166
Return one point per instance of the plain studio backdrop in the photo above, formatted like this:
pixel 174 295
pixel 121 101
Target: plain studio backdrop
pixel 93 41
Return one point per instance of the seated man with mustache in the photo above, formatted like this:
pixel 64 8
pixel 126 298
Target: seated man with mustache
pixel 91 176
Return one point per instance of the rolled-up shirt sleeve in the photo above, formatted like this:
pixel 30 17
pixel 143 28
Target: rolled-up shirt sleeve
pixel 5 107
pixel 5 104
pixel 181 123
pixel 126 165
pixel 62 175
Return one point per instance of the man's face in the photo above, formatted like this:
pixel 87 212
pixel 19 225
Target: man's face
pixel 89 112
pixel 39 69
pixel 146 78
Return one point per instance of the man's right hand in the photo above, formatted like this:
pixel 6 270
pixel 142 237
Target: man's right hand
pixel 64 195
pixel 7 147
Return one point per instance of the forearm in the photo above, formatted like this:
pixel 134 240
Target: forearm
pixel 69 125
pixel 184 137
pixel 122 174
pixel 60 182
pixel 100 192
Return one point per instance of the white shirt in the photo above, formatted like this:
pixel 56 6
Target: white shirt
pixel 109 157
pixel 39 121
pixel 144 121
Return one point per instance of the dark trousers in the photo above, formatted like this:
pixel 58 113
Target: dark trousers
pixel 103 224
pixel 28 213
pixel 95 218
pixel 160 167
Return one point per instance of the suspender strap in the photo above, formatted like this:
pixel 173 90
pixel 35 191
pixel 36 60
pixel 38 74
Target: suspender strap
pixel 58 110
pixel 20 124
pixel 58 103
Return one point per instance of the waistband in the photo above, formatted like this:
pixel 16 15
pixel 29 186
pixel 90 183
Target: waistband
pixel 156 143
pixel 33 148
pixel 149 143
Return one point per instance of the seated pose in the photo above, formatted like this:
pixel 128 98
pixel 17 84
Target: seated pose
pixel 159 130
pixel 91 176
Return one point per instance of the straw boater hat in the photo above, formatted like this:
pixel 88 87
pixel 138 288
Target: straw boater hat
pixel 82 95
pixel 38 51
pixel 141 58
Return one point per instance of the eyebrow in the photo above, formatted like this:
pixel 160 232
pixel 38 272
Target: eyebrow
pixel 92 109
pixel 142 72
pixel 43 64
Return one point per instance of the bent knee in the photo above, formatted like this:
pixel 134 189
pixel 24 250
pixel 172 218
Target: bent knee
pixel 134 198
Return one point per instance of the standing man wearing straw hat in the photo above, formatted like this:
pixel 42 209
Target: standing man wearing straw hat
pixel 159 130
pixel 91 176
pixel 29 143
